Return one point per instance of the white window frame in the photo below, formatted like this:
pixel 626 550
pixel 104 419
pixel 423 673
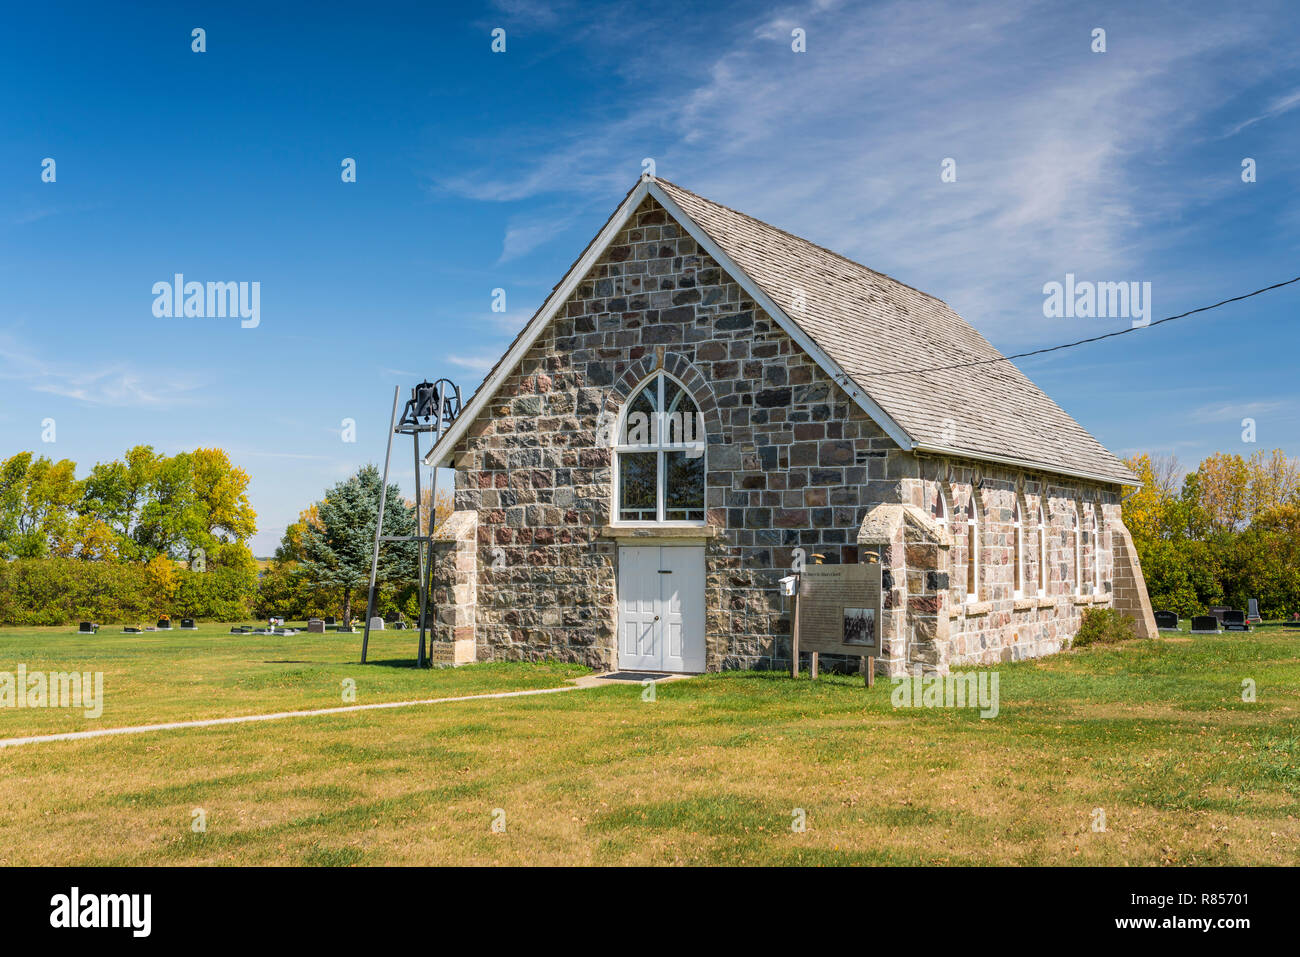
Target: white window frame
pixel 1095 534
pixel 1018 544
pixel 972 548
pixel 1043 565
pixel 661 447
pixel 1077 528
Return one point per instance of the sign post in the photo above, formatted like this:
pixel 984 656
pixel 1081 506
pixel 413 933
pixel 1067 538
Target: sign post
pixel 838 610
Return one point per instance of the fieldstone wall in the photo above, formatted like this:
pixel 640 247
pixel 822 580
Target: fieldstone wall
pixel 1001 622
pixel 455 589
pixel 1131 596
pixel 792 462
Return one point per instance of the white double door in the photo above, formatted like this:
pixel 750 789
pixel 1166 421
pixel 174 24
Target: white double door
pixel 661 608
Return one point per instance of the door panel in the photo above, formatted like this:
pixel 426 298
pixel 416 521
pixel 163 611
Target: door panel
pixel 661 608
pixel 638 645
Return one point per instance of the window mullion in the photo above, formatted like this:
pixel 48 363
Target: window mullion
pixel 662 482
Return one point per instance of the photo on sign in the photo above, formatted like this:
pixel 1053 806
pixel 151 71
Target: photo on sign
pixel 859 626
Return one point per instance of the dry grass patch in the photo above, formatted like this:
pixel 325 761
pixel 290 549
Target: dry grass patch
pixel 713 772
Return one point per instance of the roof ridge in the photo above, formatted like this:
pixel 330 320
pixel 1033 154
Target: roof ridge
pixel 802 239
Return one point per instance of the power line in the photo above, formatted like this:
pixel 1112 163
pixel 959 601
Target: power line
pixel 1081 342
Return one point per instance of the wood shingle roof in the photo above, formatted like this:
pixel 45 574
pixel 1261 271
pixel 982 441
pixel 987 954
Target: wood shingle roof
pixel 869 331
pixel 877 329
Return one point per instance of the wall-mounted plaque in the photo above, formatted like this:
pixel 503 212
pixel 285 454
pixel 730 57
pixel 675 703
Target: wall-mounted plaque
pixel 840 609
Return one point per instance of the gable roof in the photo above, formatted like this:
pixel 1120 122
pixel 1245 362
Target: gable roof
pixel 856 324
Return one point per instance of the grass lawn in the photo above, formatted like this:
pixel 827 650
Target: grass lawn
pixel 209 673
pixel 1152 732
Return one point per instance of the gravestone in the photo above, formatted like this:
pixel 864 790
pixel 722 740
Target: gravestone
pixel 329 620
pixel 1252 611
pixel 1205 625
pixel 87 628
pixel 188 624
pixel 164 624
pixel 1166 621
pixel 345 628
pixel 315 626
pixel 1218 611
pixel 376 624
pixel 130 631
pixel 1235 621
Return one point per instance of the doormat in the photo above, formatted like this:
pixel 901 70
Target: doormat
pixel 633 676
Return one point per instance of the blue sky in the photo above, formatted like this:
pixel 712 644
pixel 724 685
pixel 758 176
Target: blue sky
pixel 478 170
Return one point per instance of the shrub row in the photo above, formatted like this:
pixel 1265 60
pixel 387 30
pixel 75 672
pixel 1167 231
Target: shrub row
pixel 57 591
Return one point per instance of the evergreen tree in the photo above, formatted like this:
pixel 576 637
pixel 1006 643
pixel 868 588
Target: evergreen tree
pixel 336 552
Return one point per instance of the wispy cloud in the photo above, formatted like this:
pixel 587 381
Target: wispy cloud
pixel 1278 106
pixel 1053 175
pixel 474 363
pixel 110 384
pixel 1234 411
pixel 509 322
pixel 524 235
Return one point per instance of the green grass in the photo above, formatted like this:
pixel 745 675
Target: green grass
pixel 209 673
pixel 713 771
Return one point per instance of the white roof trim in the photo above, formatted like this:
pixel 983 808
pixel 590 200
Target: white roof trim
pixel 535 327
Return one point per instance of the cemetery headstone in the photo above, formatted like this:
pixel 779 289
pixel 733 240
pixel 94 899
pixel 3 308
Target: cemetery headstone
pixel 1235 621
pixel 188 624
pixel 1205 625
pixel 315 626
pixel 1252 611
pixel 376 624
pixel 1166 621
pixel 87 628
pixel 164 624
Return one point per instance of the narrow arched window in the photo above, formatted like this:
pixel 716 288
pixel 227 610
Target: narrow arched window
pixel 938 511
pixel 659 458
pixel 1042 554
pixel 1018 550
pixel 1094 534
pixel 972 549
pixel 1078 550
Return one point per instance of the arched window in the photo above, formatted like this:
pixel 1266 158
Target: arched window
pixel 1094 534
pixel 1018 550
pixel 659 458
pixel 938 511
pixel 1042 554
pixel 1078 549
pixel 972 549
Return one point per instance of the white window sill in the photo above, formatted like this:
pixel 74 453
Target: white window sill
pixel 676 532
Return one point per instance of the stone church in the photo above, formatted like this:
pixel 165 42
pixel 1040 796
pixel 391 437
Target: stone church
pixel 705 402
